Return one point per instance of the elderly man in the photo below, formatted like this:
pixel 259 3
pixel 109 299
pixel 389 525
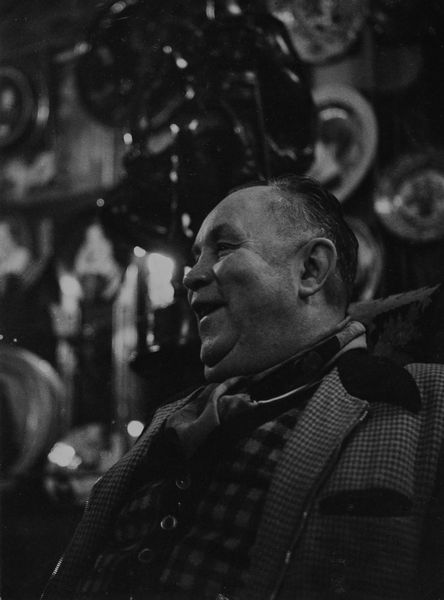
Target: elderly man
pixel 305 468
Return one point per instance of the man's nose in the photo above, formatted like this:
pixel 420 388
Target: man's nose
pixel 199 275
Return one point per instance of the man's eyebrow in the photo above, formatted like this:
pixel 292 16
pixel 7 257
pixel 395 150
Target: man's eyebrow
pixel 222 230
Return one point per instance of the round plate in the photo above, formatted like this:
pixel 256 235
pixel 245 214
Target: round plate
pixel 34 404
pixel 17 105
pixel 409 200
pixel 321 29
pixel 370 260
pixel 346 141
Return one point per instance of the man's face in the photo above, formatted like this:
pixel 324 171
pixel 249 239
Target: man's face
pixel 244 287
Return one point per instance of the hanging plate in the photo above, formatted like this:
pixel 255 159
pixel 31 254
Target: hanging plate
pixel 18 105
pixel 346 141
pixel 321 29
pixel 33 406
pixel 370 260
pixel 409 200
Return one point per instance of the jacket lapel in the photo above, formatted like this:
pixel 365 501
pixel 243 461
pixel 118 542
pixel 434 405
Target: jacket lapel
pixel 307 459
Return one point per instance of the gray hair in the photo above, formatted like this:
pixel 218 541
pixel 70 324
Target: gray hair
pixel 321 213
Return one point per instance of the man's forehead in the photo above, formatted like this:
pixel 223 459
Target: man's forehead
pixel 238 207
pixel 259 194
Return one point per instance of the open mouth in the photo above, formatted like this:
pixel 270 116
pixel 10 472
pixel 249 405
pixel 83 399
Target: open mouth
pixel 203 309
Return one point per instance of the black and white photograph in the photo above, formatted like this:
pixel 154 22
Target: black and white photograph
pixel 221 300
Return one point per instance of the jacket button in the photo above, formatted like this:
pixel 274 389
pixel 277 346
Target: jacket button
pixel 146 555
pixel 183 483
pixel 168 523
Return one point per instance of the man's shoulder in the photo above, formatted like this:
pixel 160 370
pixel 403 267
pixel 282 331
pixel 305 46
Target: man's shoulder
pixel 427 373
pixel 417 387
pixel 429 378
pixel 377 379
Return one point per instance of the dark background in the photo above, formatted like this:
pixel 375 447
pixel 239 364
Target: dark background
pixel 396 63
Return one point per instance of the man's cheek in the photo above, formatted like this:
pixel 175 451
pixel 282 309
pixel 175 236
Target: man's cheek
pixel 238 268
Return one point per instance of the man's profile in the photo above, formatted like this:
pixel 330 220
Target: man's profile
pixel 306 468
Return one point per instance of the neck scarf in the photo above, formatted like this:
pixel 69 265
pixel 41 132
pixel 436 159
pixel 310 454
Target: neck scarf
pixel 190 426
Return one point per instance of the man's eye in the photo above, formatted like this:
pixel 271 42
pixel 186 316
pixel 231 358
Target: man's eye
pixel 223 248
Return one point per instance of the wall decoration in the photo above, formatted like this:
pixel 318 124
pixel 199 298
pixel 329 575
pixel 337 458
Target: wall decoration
pixel 24 104
pixel 321 30
pixel 27 161
pixel 409 199
pixel 370 260
pixel 34 410
pixel 346 141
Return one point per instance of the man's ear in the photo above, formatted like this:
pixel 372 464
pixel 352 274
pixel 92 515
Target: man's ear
pixel 318 262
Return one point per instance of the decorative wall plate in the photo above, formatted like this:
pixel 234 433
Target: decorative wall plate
pixel 18 105
pixel 35 403
pixel 370 260
pixel 347 137
pixel 321 29
pixel 409 200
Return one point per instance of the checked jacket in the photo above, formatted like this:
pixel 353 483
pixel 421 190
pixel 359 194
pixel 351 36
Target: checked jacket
pixel 354 509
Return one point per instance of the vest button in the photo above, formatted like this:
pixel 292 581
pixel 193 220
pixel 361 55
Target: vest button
pixel 169 522
pixel 183 483
pixel 146 555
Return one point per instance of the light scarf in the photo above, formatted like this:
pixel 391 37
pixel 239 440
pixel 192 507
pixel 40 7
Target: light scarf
pixel 191 425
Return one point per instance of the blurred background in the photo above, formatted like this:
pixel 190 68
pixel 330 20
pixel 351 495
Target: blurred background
pixel 122 124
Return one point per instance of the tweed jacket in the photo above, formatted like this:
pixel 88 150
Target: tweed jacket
pixel 353 510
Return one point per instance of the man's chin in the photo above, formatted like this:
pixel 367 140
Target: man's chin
pixel 213 368
pixel 220 367
pixel 222 360
pixel 227 366
pixel 216 367
pixel 213 374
